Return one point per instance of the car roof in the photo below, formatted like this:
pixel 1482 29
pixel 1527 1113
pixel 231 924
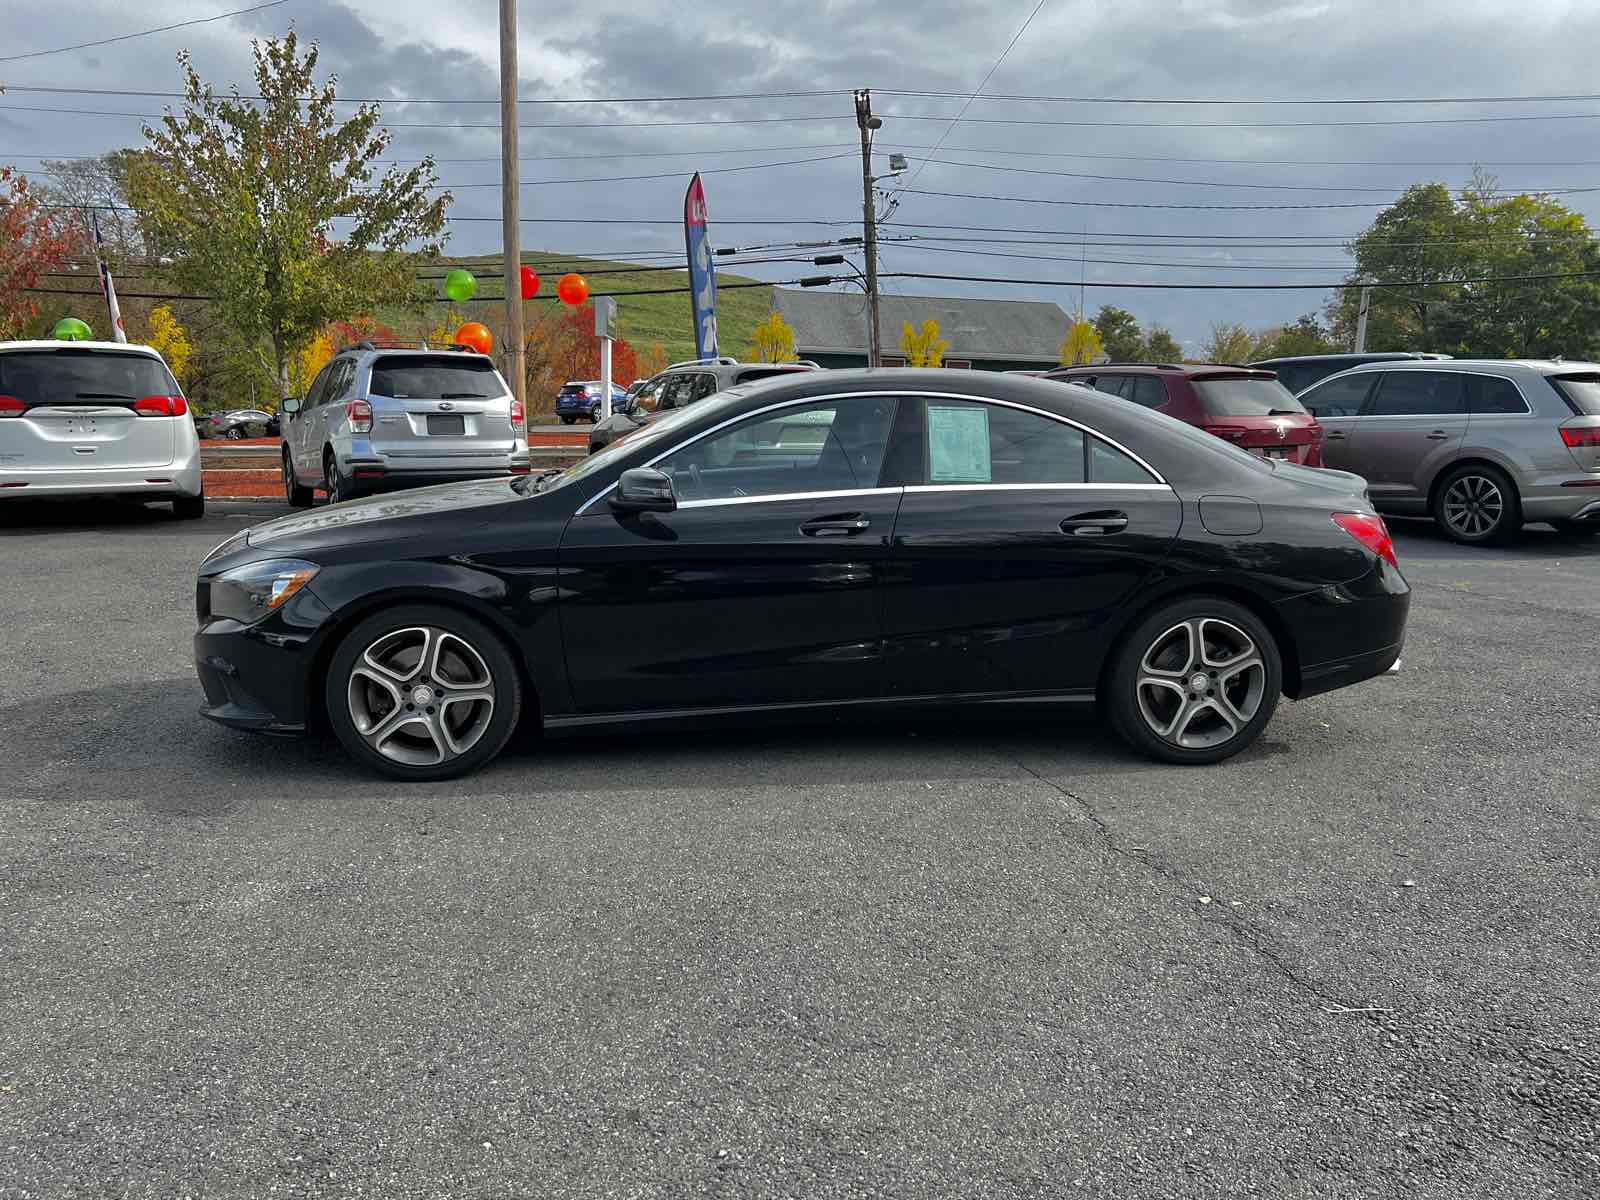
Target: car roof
pixel 1365 356
pixel 1541 366
pixel 56 344
pixel 1181 370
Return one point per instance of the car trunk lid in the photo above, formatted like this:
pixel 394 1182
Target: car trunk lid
pixel 74 409
pixel 439 406
pixel 1255 412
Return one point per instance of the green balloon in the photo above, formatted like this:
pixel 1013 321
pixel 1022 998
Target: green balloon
pixel 460 285
pixel 70 329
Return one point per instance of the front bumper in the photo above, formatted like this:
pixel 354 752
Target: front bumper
pixel 257 677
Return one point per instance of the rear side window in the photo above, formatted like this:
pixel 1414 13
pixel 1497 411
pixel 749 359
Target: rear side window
pixel 1338 397
pixel 981 443
pixel 435 377
pixel 1491 395
pixel 1581 392
pixel 1242 396
pixel 1107 464
pixel 52 377
pixel 1420 394
pixel 1146 390
pixel 1112 385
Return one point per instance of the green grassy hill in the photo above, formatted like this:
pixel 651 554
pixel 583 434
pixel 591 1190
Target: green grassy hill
pixel 642 320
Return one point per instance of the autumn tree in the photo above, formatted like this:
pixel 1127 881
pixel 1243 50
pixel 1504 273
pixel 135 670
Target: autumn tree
pixel 773 340
pixel 561 345
pixel 1160 346
pixel 1230 342
pixel 1081 345
pixel 923 347
pixel 33 240
pixel 276 207
pixel 168 338
pixel 652 360
pixel 1119 332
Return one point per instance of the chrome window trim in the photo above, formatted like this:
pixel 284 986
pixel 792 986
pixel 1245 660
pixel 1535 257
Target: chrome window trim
pixel 779 497
pixel 896 393
pixel 1038 487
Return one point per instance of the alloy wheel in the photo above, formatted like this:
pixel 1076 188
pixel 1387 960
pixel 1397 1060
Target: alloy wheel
pixel 1200 683
pixel 421 696
pixel 1474 506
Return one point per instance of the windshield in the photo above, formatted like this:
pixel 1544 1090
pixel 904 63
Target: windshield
pixel 40 377
pixel 653 432
pixel 1582 391
pixel 1242 396
pixel 440 377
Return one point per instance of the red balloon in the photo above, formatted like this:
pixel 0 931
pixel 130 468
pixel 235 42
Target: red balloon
pixel 530 283
pixel 475 336
pixel 573 289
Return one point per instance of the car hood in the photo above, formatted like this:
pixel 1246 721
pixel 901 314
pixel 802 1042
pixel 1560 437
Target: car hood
pixel 394 509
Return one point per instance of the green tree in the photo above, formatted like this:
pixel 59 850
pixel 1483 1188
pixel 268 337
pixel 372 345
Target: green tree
pixel 773 341
pixel 924 347
pixel 1305 336
pixel 276 208
pixel 1229 343
pixel 1119 332
pixel 1161 346
pixel 1081 345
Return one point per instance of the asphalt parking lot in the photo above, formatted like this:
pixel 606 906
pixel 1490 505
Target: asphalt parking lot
pixel 952 959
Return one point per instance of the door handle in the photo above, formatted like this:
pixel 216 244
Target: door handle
pixel 1333 435
pixel 1438 435
pixel 841 525
pixel 1095 524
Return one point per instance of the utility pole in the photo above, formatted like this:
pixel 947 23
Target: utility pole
pixel 511 202
pixel 1361 319
pixel 869 218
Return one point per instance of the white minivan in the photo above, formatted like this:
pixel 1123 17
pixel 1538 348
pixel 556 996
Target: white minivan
pixel 95 419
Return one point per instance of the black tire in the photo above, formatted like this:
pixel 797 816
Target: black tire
pixel 1477 505
pixel 1250 696
pixel 339 488
pixel 371 633
pixel 568 420
pixel 189 508
pixel 235 433
pixel 294 492
pixel 595 447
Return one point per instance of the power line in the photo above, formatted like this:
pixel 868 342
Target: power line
pixel 79 91
pixel 90 112
pixel 437 300
pixel 1122 262
pixel 1535 99
pixel 1128 204
pixel 238 12
pixel 899 116
pixel 1247 287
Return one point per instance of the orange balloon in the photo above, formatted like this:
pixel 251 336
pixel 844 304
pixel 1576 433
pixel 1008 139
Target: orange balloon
pixel 573 289
pixel 475 336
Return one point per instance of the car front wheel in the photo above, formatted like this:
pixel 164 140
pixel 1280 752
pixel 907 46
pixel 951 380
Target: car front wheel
pixel 1477 505
pixel 294 492
pixel 421 693
pixel 1195 682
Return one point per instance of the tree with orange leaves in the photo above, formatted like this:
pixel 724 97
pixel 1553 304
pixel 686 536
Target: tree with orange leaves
pixel 33 240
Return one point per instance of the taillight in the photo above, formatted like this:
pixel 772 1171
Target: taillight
pixel 161 406
pixel 1231 433
pixel 10 406
pixel 359 415
pixel 518 415
pixel 1370 531
pixel 1315 431
pixel 1584 437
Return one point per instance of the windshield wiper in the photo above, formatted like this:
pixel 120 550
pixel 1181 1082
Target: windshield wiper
pixel 530 483
pixel 104 396
pixel 464 396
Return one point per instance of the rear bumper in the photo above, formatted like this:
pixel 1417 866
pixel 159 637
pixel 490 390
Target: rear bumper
pixel 1562 504
pixel 179 478
pixel 1346 633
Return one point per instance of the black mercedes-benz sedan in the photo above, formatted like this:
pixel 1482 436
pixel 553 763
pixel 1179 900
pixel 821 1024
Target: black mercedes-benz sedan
pixel 834 541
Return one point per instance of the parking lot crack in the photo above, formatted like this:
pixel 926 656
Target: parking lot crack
pixel 1240 932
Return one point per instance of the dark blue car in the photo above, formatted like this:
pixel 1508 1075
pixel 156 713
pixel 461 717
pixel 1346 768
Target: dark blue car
pixel 581 398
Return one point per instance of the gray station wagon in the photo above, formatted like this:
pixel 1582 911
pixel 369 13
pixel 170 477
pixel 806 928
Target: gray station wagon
pixel 1481 445
pixel 377 419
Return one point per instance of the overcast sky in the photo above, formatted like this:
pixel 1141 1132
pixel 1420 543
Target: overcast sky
pixel 1175 49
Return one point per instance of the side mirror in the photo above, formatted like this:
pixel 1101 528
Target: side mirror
pixel 289 405
pixel 644 489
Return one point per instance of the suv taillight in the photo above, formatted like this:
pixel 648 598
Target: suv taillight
pixel 359 415
pixel 161 406
pixel 1574 438
pixel 1230 433
pixel 519 415
pixel 10 406
pixel 1370 531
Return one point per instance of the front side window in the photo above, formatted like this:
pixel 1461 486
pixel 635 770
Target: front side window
pixel 676 391
pixel 832 445
pixel 704 385
pixel 1342 397
pixel 1419 394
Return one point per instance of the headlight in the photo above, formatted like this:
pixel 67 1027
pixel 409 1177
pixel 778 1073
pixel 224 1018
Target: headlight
pixel 248 593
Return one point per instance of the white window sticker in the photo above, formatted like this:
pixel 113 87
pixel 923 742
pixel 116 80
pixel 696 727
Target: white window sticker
pixel 958 444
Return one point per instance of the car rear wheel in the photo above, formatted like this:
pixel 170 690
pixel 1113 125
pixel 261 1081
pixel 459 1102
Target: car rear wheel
pixel 235 434
pixel 1195 682
pixel 568 420
pixel 189 508
pixel 1477 505
pixel 297 495
pixel 422 693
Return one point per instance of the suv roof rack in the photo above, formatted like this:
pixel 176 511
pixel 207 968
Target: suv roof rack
pixel 413 344
pixel 720 360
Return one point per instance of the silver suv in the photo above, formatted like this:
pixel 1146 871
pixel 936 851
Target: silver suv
pixel 680 385
pixel 1480 445
pixel 377 419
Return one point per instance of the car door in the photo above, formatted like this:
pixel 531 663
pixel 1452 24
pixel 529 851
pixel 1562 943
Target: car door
pixel 760 588
pixel 329 412
pixel 1021 536
pixel 296 429
pixel 1413 425
pixel 1337 405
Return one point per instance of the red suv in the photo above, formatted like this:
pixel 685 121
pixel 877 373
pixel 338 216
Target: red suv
pixel 1247 407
